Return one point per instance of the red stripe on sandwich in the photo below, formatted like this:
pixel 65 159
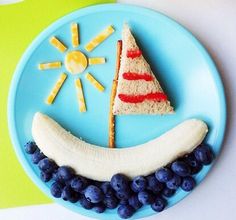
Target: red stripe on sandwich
pixel 157 96
pixel 133 53
pixel 137 76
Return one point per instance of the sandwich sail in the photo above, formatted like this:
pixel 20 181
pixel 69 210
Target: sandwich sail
pixel 138 90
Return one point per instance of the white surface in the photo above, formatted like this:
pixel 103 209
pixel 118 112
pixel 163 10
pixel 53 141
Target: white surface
pixel 214 23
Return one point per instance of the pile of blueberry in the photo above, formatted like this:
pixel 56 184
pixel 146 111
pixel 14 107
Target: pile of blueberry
pixel 128 195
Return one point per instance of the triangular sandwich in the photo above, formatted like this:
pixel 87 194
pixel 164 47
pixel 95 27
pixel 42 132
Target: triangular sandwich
pixel 138 90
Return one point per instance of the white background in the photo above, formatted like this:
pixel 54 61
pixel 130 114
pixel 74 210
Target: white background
pixel 214 23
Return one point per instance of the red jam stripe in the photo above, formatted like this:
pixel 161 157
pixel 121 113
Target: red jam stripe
pixel 157 96
pixel 137 76
pixel 133 53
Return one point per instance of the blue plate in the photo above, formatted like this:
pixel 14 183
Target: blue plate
pixel 183 66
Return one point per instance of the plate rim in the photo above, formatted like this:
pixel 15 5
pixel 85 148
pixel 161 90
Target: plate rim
pixel 52 27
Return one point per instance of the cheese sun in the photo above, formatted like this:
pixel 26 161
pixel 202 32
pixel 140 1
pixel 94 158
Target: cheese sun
pixel 76 62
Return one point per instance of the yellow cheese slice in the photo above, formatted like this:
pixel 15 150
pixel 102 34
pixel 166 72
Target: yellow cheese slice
pixel 80 95
pixel 56 89
pixel 99 38
pixel 96 60
pixel 58 44
pixel 51 65
pixel 75 34
pixel 94 82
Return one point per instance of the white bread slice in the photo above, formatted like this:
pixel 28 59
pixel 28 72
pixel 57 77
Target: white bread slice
pixel 137 87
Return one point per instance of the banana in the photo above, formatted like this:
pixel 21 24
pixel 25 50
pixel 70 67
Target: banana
pixel 99 163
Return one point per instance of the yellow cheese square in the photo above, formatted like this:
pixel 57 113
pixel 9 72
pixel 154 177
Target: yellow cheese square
pixel 56 89
pixel 58 44
pixel 75 34
pixel 80 95
pixel 94 82
pixel 50 65
pixel 96 60
pixel 99 38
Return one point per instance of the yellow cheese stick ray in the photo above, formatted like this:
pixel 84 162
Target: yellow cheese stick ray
pixel 75 34
pixel 80 95
pixel 56 89
pixel 50 65
pixel 58 44
pixel 96 60
pixel 94 82
pixel 99 38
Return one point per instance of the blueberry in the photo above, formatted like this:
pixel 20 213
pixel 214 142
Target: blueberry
pixel 45 177
pixel 188 183
pixel 30 147
pixel 145 197
pixel 90 182
pixel 168 192
pixel 55 176
pixel 125 211
pixel 56 189
pixel 82 191
pixel 204 154
pixel 163 175
pixel 37 156
pixel 111 202
pixel 154 185
pixel 134 202
pixel 65 173
pixel 197 169
pixel 174 183
pixel 85 203
pixel 93 194
pixel 124 202
pixel 99 208
pixel 119 182
pixel 159 204
pixel 123 194
pixel 107 189
pixel 75 198
pixel 139 184
pixel 78 183
pixel 193 163
pixel 180 168
pixel 67 193
pixel 96 183
pixel 47 165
